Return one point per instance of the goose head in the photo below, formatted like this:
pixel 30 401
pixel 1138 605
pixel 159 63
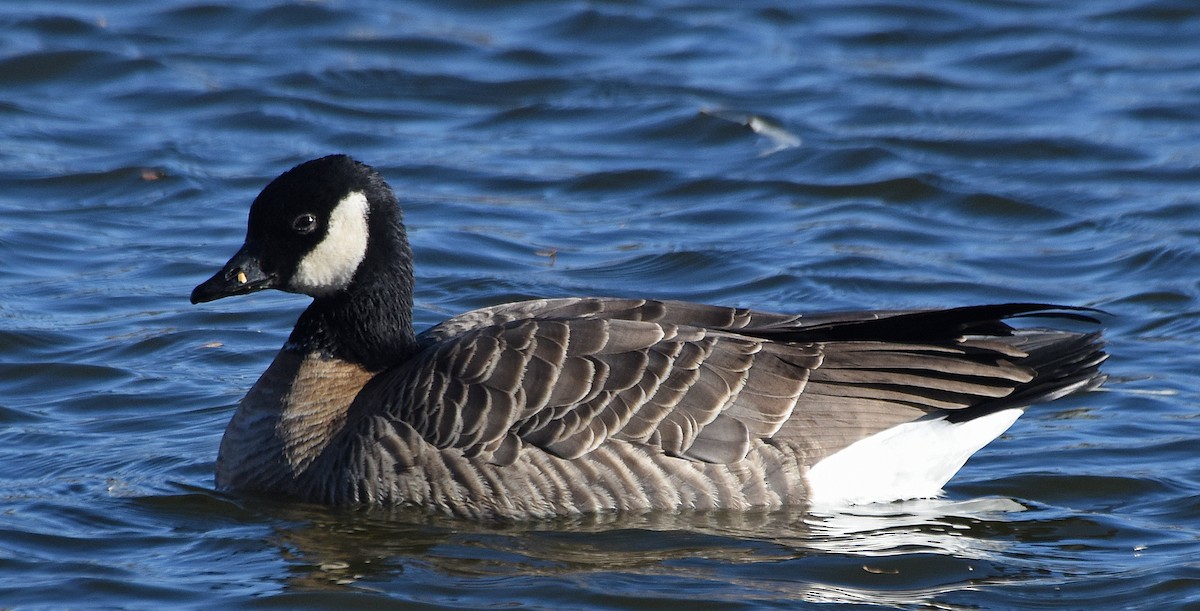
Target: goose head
pixel 309 231
pixel 330 228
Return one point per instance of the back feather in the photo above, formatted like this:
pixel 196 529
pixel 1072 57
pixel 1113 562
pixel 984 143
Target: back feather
pixel 703 382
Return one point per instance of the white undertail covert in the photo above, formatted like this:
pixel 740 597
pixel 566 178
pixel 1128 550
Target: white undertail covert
pixel 908 461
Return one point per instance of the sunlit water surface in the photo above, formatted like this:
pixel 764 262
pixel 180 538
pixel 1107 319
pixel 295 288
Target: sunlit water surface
pixel 832 155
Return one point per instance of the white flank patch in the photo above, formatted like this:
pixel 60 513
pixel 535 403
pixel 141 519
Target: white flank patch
pixel 908 461
pixel 331 265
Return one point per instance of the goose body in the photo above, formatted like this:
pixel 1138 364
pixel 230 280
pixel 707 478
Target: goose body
pixel 563 406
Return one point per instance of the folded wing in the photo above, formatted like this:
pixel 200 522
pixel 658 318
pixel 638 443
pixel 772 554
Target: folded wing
pixel 703 382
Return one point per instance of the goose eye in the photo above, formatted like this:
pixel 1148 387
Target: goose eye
pixel 304 224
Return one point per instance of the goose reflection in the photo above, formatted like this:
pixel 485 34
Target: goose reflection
pixel 888 554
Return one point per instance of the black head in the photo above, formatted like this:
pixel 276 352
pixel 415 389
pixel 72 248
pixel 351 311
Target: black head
pixel 330 228
pixel 309 231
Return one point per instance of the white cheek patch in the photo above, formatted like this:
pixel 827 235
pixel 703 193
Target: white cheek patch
pixel 330 266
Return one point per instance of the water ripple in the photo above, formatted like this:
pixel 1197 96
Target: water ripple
pixel 791 158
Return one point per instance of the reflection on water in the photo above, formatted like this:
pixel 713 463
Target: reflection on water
pixel 921 526
pixel 896 554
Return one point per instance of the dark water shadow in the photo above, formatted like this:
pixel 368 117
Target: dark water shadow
pixel 896 554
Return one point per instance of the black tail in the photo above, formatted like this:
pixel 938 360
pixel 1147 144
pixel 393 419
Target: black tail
pixel 1063 363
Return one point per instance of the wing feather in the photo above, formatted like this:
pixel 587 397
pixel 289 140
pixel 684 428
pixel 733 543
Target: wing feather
pixel 697 382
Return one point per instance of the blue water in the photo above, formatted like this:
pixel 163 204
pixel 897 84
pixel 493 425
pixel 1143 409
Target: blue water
pixel 797 158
